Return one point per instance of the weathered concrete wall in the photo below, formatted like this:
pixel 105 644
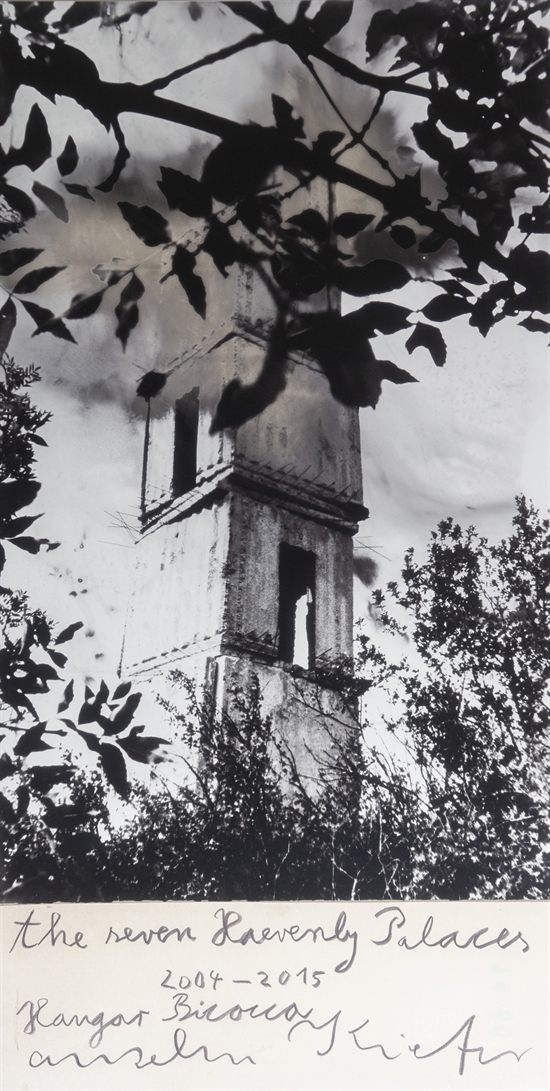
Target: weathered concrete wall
pixel 177 609
pixel 310 722
pixel 252 574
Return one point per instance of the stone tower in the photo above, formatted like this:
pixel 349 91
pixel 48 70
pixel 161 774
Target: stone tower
pixel 245 558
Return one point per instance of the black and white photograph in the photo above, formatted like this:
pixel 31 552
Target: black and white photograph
pixel 274 474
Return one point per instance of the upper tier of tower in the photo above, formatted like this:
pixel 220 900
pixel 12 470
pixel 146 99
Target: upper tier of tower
pixel 302 449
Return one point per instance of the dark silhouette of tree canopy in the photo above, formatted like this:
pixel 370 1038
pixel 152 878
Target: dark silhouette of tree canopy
pixel 472 707
pixel 478 74
pixel 32 663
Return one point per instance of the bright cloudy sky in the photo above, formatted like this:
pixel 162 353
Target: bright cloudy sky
pixel 462 441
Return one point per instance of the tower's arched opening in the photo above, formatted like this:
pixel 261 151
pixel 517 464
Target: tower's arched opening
pixel 296 626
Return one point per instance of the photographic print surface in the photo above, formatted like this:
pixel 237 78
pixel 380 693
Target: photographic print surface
pixel 274 478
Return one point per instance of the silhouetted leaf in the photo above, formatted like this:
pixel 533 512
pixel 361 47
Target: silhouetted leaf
pixel 52 200
pixel 67 162
pixel 444 307
pixel 17 494
pixel 47 322
pixel 80 12
pixel 331 19
pixel 82 306
pixel 439 147
pixel 20 202
pixel 387 318
pixel 68 632
pixel 394 373
pixel 285 122
pixel 403 236
pixel 349 224
pixel 79 191
pixel 312 223
pixel 537 221
pixel 377 276
pixel 41 630
pixel 535 325
pixel 126 310
pixel 421 19
pixel 531 268
pixel 102 693
pixel 29 545
pixel 150 385
pixel 183 264
pixel 8 319
pixel 140 747
pixel 238 167
pixel 11 260
pixel 114 767
pixel 57 657
pixel 148 225
pixel 31 281
pixel 341 345
pixel 122 690
pixel 17 526
pixel 36 146
pixel 240 402
pixel 431 338
pixel 326 142
pixel 125 715
pixel 221 246
pixel 185 193
pixel 31 741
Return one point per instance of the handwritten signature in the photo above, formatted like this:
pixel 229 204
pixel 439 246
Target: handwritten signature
pixel 459 1044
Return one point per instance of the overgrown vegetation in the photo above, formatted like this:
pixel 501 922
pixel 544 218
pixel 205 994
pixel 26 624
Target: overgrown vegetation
pixel 455 806
pixel 32 668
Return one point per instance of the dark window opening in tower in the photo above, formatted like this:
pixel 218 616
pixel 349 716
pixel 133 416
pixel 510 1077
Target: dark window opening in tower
pixel 186 429
pixel 296 626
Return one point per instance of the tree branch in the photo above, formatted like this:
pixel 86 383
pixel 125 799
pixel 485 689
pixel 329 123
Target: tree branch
pixel 304 44
pixel 211 58
pixel 68 72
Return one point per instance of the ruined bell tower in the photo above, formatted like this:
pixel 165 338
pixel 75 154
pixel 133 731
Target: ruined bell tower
pixel 244 564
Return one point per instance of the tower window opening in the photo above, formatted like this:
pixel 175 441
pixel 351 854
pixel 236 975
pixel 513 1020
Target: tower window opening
pixel 296 606
pixel 184 477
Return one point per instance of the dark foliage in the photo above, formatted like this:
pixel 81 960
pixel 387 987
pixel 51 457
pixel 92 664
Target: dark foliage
pixel 478 72
pixel 31 664
pixel 473 713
